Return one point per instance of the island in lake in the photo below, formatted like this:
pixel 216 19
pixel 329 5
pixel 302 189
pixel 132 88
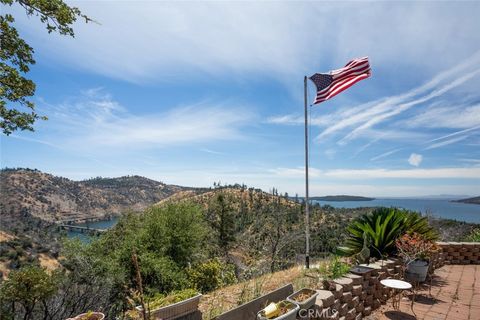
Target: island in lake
pixel 474 200
pixel 342 198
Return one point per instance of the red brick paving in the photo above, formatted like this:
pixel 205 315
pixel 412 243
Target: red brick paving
pixel 455 295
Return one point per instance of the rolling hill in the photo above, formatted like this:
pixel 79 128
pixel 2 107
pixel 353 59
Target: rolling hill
pixel 55 199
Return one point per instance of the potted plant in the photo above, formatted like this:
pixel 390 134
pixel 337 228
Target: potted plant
pixel 90 315
pixel 305 298
pixel 173 306
pixel 416 251
pixel 283 310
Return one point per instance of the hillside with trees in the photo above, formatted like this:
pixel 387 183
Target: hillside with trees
pixel 200 239
pixel 192 240
pixel 55 199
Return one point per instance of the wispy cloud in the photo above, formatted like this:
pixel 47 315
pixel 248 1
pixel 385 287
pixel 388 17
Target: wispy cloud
pixel 437 173
pixel 451 116
pixel 96 121
pixel 385 154
pixel 255 37
pixel 391 107
pixel 206 150
pixel 451 138
pixel 446 142
pixel 358 174
pixel 474 161
pixel 296 172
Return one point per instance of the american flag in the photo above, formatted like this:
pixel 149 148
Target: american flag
pixel 332 83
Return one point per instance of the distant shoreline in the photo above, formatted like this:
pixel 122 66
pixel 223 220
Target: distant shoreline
pixel 342 198
pixel 474 200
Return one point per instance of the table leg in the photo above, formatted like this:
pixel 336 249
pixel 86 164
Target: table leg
pixel 413 301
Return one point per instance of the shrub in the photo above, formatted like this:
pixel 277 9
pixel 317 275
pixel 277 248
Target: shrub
pixel 160 300
pixel 414 246
pixel 28 287
pixel 381 228
pixel 474 236
pixel 333 269
pixel 211 275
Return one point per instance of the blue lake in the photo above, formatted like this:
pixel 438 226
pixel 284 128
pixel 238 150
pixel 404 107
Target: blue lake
pixel 439 208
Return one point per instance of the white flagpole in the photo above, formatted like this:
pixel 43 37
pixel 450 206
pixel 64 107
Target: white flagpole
pixel 307 214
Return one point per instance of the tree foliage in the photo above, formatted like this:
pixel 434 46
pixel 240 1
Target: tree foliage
pixel 24 289
pixel 17 110
pixel 222 219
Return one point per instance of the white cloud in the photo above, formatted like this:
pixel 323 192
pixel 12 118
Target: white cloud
pixel 390 108
pixel 165 40
pixel 451 138
pixel 295 172
pixel 446 142
pixel 359 121
pixel 95 121
pixel 385 154
pixel 452 116
pixel 415 159
pixel 437 173
pixel 355 174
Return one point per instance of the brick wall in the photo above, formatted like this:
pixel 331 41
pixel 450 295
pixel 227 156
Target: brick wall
pixel 357 295
pixel 458 253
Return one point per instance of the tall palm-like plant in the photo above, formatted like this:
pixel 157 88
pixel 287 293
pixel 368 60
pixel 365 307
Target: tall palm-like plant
pixel 382 227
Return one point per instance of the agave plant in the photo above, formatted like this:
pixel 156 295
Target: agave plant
pixel 377 231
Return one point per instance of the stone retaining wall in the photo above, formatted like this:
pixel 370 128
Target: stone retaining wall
pixel 459 253
pixel 357 295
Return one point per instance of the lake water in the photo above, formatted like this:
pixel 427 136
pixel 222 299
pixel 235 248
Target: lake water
pixel 440 208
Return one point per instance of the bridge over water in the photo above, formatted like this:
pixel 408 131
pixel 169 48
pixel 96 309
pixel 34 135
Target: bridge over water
pixel 87 230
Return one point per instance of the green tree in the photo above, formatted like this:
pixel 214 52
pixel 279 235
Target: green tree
pixel 17 110
pixel 222 219
pixel 25 288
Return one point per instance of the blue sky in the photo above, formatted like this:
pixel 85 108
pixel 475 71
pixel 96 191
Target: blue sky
pixel 192 93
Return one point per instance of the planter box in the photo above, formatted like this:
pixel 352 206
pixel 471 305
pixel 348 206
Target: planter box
pixel 290 315
pixel 307 303
pixel 175 310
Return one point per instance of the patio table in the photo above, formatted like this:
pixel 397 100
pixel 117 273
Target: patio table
pixel 398 287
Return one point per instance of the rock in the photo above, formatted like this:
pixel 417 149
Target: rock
pixel 325 297
pixel 346 283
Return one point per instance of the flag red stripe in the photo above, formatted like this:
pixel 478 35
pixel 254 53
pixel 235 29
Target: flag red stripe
pixel 339 82
pixel 342 79
pixel 354 69
pixel 349 65
pixel 339 90
pixel 338 77
pixel 345 85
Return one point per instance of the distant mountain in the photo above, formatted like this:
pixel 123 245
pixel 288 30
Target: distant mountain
pixel 342 198
pixel 474 200
pixel 54 199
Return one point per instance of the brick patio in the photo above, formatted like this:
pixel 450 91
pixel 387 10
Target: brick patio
pixel 455 295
